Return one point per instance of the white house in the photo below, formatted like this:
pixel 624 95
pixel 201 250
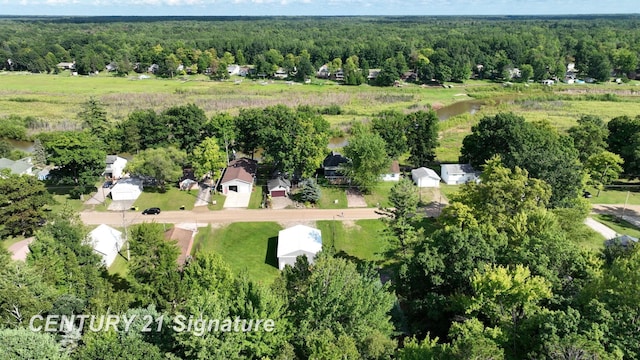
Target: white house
pixel 233 69
pixel 106 242
pixel 425 177
pixel 394 172
pixel 126 189
pixel 297 241
pixel 114 168
pixel 453 174
pixel 239 176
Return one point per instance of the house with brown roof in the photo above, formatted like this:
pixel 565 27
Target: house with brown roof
pixel 393 173
pixel 239 176
pixel 184 240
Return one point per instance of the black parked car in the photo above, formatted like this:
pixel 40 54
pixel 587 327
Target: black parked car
pixel 151 211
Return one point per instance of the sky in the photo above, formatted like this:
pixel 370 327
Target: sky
pixel 314 7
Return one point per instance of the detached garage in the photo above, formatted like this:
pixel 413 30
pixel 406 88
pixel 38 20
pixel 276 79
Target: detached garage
pixel 425 177
pixel 299 240
pixel 279 187
pixel 239 176
pixel 127 189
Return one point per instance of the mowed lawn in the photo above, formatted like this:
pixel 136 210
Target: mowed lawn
pixel 361 239
pixel 172 199
pixel 249 246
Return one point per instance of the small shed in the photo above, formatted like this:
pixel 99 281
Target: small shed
pixel 299 240
pixel 425 177
pixel 127 189
pixel 394 172
pixel 106 242
pixel 279 187
pixel 455 174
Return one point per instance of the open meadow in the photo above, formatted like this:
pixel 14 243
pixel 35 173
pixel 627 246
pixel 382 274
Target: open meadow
pixel 55 100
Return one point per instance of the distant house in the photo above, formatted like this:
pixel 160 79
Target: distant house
pixel 106 242
pixel 114 168
pixel 66 65
pixel 425 177
pixel 373 74
pixel 453 174
pixel 153 68
pixel 245 70
pixel 233 69
pixel 239 176
pixel 331 165
pixel 281 73
pixel 127 189
pixel 547 82
pixel 299 240
pixel 394 172
pixel 111 67
pixel 338 75
pixel 184 240
pixel 279 187
pixel 17 167
pixel 323 72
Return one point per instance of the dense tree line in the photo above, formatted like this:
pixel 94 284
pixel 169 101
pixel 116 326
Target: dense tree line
pixel 444 49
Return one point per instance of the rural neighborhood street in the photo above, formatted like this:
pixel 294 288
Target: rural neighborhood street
pixel 227 216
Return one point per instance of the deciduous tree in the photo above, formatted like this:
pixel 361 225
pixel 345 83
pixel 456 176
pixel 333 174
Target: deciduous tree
pixel 162 164
pixel 368 160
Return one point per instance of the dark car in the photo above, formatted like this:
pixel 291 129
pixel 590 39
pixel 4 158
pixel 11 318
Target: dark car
pixel 107 184
pixel 151 211
pixel 586 195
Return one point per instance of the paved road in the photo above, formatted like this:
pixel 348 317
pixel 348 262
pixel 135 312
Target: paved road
pixel 227 216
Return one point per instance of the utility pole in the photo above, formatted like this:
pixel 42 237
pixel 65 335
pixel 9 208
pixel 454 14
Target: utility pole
pixel 625 204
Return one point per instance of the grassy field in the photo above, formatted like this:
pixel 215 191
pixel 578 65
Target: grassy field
pixel 244 246
pixel 361 239
pixel 620 226
pixel 615 196
pixel 379 195
pixel 328 196
pixel 172 199
pixel 58 98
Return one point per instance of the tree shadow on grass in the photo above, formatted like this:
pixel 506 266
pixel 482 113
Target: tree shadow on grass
pixel 271 257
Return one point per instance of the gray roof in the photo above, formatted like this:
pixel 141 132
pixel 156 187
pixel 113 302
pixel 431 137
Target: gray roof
pixel 111 159
pixel 17 167
pixel 623 240
pixel 424 172
pixel 278 182
pixel 458 168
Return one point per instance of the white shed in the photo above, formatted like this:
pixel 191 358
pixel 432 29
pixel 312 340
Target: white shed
pixel 106 242
pixel 425 177
pixel 296 241
pixel 454 174
pixel 127 189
